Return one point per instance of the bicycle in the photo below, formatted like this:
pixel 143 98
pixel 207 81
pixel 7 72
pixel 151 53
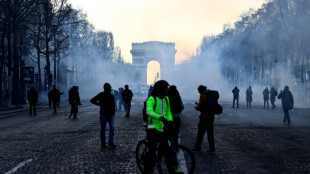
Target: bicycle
pixel 184 155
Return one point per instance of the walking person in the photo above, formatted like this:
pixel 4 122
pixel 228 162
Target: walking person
pixel 127 97
pixel 273 94
pixel 55 97
pixel 32 97
pixel 74 100
pixel 287 104
pixel 266 98
pixel 107 114
pixel 249 94
pixel 206 120
pixel 235 91
pixel 121 101
pixel 176 106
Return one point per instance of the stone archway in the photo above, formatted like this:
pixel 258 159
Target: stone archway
pixel 143 53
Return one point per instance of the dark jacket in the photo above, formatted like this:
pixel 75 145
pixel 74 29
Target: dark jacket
pixel 249 94
pixel 32 96
pixel 127 95
pixel 106 102
pixel 235 91
pixel 287 99
pixel 74 96
pixel 55 95
pixel 266 94
pixel 273 94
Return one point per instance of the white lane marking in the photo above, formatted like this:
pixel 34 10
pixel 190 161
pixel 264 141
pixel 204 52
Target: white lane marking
pixel 18 166
pixel 181 159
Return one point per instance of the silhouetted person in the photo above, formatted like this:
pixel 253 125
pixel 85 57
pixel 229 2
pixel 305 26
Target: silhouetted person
pixel 49 95
pixel 206 120
pixel 74 100
pixel 273 94
pixel 127 97
pixel 176 106
pixel 107 113
pixel 287 103
pixel 266 98
pixel 121 101
pixel 116 98
pixel 235 91
pixel 55 97
pixel 32 97
pixel 249 98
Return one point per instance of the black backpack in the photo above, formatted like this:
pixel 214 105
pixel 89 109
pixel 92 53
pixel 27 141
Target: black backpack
pixel 145 116
pixel 212 106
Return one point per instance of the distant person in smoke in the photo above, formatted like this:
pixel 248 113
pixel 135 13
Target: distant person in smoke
pixel 121 101
pixel 74 100
pixel 55 97
pixel 150 91
pixel 107 114
pixel 116 98
pixel 206 120
pixel 273 94
pixel 287 104
pixel 249 94
pixel 127 97
pixel 235 92
pixel 266 98
pixel 176 106
pixel 32 97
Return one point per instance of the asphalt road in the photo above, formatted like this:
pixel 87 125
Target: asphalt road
pixel 247 141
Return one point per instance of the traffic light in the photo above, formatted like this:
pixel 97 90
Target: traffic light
pixel 36 77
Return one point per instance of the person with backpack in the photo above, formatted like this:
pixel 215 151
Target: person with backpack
pixel 266 98
pixel 249 94
pixel 287 103
pixel 206 120
pixel 32 97
pixel 273 94
pixel 159 119
pixel 176 106
pixel 127 97
pixel 74 100
pixel 107 113
pixel 235 91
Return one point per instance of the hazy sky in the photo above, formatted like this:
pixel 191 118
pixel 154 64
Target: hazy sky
pixel 184 22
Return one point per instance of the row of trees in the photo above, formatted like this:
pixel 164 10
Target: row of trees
pixel 53 37
pixel 266 45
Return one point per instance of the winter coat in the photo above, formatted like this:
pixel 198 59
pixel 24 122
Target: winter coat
pixel 236 91
pixel 201 106
pixel 106 102
pixel 287 99
pixel 32 96
pixel 249 94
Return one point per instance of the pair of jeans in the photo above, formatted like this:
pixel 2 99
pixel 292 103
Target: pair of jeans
pixel 103 122
pixel 236 98
pixel 203 126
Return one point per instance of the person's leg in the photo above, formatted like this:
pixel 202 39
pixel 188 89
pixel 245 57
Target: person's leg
pixel 35 108
pixel 54 106
pixel 30 108
pixel 250 104
pixel 103 122
pixel 150 157
pixel 210 127
pixel 75 110
pixel 285 115
pixel 201 132
pixel 234 102
pixel 111 129
pixel 267 104
pixel 176 129
pixel 237 102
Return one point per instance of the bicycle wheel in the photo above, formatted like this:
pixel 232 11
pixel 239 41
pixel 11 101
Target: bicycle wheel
pixel 185 158
pixel 140 154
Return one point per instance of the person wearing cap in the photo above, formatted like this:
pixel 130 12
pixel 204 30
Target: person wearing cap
pixel 287 104
pixel 106 102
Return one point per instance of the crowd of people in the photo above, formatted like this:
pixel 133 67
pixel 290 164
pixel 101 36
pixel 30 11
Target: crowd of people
pixel 163 108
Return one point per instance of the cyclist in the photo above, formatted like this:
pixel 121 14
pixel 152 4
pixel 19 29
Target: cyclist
pixel 158 117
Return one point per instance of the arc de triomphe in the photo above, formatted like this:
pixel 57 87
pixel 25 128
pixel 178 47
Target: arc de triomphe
pixel 143 53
